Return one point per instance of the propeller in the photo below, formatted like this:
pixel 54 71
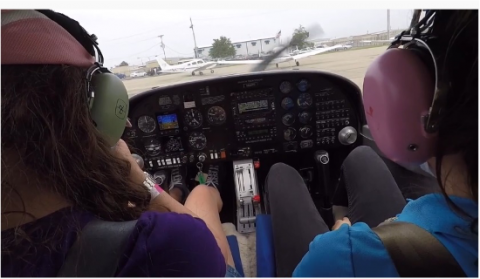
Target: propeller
pixel 315 31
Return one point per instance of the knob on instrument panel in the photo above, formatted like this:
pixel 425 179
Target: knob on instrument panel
pixel 306 132
pixel 347 135
pixel 160 177
pixel 139 160
pixel 202 157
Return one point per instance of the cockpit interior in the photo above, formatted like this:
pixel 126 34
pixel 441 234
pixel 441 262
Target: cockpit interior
pixel 309 120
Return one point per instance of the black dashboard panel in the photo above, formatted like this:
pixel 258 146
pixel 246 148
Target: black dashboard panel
pixel 243 116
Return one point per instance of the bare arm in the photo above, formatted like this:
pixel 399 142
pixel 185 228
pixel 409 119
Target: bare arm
pixel 164 202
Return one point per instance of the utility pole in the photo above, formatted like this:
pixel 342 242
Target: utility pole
pixel 194 39
pixel 388 24
pixel 162 45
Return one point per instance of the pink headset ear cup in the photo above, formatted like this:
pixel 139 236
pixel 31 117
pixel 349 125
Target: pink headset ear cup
pixel 397 91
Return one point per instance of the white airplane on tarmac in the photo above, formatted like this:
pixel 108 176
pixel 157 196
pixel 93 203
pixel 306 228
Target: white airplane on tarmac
pixel 284 57
pixel 199 65
pixel 193 65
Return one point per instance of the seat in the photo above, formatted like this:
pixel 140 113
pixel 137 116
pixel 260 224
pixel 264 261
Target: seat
pixel 264 247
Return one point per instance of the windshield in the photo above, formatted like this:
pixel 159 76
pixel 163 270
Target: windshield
pixel 148 49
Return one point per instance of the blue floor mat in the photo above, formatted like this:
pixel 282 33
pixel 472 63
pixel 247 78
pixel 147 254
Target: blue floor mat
pixel 233 243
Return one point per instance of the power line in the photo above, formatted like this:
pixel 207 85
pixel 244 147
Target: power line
pixel 251 15
pixel 147 39
pixel 131 36
pixel 125 56
pixel 153 46
pixel 177 51
pixel 146 32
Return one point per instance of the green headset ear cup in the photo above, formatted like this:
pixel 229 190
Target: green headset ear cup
pixel 110 106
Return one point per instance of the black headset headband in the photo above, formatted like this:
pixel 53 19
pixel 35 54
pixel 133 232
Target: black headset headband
pixel 89 42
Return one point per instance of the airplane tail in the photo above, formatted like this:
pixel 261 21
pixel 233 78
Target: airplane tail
pixel 163 65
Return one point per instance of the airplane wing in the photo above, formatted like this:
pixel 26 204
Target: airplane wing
pixel 239 62
pixel 210 65
pixel 315 52
pixel 376 41
pixel 379 41
pixel 213 64
pixel 255 62
pixel 206 66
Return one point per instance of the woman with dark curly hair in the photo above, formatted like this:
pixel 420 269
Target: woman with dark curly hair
pixel 59 172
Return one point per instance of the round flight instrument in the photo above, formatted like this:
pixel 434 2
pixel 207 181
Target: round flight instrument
pixel 303 85
pixel 305 117
pixel 153 146
pixel 289 134
pixel 306 132
pixel 216 115
pixel 173 144
pixel 193 118
pixel 165 101
pixel 304 101
pixel 146 124
pixel 197 140
pixel 288 119
pixel 285 87
pixel 287 103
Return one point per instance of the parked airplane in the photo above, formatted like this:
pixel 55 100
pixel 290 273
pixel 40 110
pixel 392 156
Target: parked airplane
pixel 199 65
pixel 286 57
pixel 193 65
pixel 305 54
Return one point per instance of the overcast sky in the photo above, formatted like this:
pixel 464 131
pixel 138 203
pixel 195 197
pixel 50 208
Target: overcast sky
pixel 133 35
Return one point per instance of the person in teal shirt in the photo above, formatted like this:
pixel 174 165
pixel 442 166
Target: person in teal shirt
pixel 367 194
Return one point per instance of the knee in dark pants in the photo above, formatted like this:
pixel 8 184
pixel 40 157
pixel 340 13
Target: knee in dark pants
pixel 281 175
pixel 361 155
pixel 280 169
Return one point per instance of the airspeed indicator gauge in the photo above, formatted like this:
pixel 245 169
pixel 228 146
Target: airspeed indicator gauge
pixel 146 124
pixel 193 118
pixel 285 87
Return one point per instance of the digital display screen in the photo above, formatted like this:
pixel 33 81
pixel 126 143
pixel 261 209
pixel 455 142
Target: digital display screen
pixel 257 132
pixel 253 106
pixel 167 122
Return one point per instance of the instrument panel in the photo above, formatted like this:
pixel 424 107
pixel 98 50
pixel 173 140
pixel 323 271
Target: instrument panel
pixel 243 116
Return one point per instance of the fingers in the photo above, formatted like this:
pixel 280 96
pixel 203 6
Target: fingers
pixel 128 124
pixel 339 223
